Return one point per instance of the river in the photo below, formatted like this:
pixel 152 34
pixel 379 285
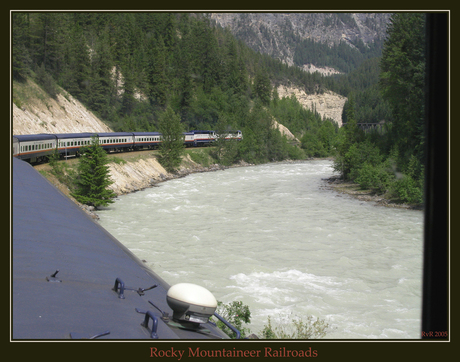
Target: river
pixel 275 238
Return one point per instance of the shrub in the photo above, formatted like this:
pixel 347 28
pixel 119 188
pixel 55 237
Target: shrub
pixel 47 82
pixel 377 177
pixel 236 313
pixel 408 186
pixel 294 327
pixel 407 190
pixel 295 153
pixel 118 160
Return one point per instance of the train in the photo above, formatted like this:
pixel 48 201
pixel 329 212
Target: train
pixel 35 148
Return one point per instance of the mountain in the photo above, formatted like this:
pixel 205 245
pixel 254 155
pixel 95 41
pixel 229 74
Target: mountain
pixel 283 35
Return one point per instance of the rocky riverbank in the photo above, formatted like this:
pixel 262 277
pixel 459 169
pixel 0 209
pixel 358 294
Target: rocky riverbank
pixel 135 175
pixel 133 171
pixel 354 190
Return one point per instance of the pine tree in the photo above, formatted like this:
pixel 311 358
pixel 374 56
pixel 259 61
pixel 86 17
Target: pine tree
pixel 20 55
pixel 93 177
pixel 262 86
pixel 172 144
pixel 157 78
pixel 402 81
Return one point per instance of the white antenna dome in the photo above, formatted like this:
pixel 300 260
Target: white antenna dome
pixel 191 302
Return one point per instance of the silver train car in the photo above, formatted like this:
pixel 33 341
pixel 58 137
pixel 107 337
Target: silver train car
pixel 37 148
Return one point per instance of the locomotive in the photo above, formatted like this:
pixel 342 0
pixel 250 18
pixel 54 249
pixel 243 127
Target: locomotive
pixel 37 147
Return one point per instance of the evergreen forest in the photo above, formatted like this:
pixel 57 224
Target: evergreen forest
pixel 134 70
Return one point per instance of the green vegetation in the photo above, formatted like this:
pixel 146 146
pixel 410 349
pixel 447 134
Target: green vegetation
pixel 154 71
pixel 202 156
pixel 392 163
pixel 172 140
pixel 61 170
pixel 294 327
pixel 93 177
pixel 285 327
pixel 237 314
pixel 341 56
pixel 129 68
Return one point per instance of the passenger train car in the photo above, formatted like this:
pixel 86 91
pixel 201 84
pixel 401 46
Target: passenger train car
pixel 36 148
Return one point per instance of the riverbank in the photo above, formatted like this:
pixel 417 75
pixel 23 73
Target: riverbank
pixel 135 171
pixel 354 190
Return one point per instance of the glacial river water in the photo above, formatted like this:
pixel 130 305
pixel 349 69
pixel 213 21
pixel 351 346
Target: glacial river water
pixel 275 238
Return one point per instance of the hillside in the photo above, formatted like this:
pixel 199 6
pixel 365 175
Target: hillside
pixel 279 34
pixel 201 72
pixel 34 111
pixel 39 113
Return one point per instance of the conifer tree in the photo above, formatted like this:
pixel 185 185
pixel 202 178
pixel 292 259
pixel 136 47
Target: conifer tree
pixel 172 145
pixel 402 81
pixel 93 177
pixel 262 86
pixel 157 78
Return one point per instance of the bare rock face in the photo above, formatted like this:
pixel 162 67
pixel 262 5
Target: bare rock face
pixel 328 104
pixel 61 115
pixel 133 176
pixel 285 131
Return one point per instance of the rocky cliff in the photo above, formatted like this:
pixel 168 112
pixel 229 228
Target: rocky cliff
pixel 35 112
pixel 328 104
pixel 277 34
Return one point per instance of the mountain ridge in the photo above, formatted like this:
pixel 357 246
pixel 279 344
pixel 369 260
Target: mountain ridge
pixel 277 34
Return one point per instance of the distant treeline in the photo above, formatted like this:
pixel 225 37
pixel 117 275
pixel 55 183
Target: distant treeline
pixel 341 56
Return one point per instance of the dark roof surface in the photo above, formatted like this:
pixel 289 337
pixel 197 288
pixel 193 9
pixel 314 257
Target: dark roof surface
pixel 51 233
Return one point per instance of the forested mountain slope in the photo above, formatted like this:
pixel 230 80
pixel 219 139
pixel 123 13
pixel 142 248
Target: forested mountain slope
pixel 128 68
pixel 309 40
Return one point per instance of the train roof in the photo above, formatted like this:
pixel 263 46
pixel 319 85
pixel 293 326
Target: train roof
pixel 146 133
pixel 114 134
pixel 50 233
pixel 34 137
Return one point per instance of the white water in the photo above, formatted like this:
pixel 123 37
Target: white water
pixel 273 237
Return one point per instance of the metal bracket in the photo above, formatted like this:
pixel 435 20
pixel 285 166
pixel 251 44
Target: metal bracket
pixel 80 336
pixel 120 288
pixel 52 277
pixel 145 323
pixel 141 291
